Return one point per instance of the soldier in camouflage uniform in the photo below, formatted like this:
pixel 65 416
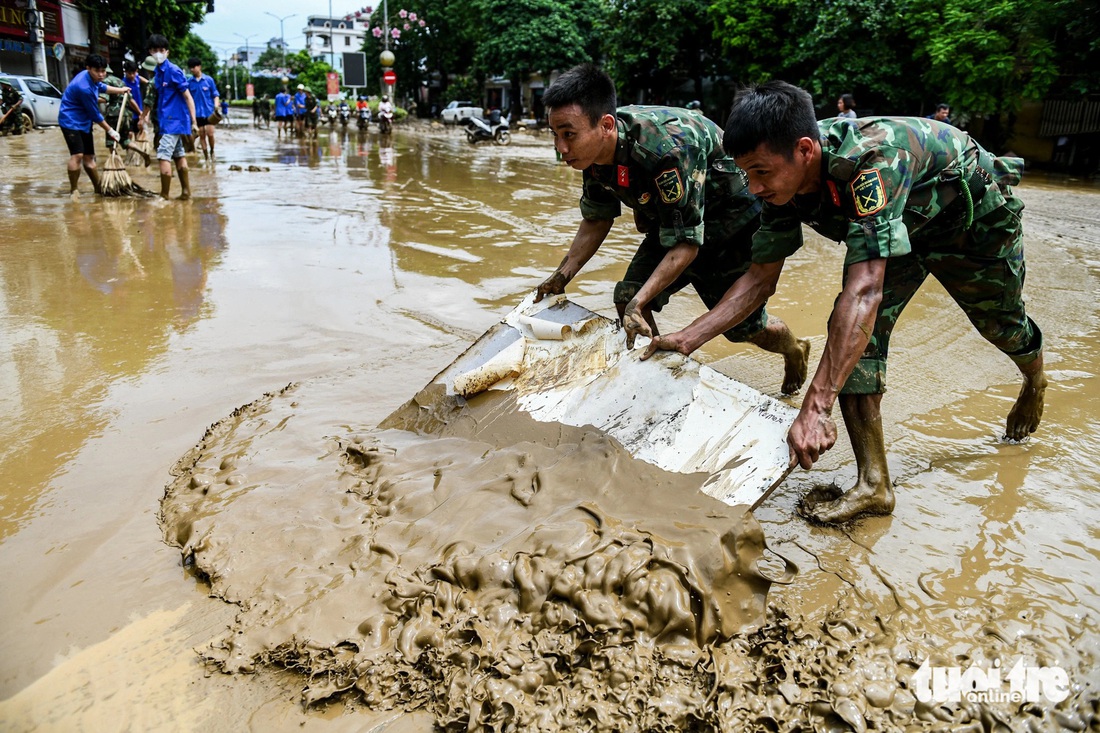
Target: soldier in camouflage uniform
pixel 688 198
pixel 11 112
pixel 909 197
pixel 113 106
pixel 149 101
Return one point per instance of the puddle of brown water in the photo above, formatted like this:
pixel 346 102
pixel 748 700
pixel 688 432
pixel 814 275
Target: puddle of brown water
pixel 129 328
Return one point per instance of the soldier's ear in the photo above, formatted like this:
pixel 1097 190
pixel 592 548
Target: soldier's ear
pixel 804 149
pixel 607 123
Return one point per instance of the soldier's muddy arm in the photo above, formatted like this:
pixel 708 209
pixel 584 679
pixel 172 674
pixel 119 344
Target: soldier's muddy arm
pixel 589 237
pixel 672 265
pixel 850 326
pixel 746 294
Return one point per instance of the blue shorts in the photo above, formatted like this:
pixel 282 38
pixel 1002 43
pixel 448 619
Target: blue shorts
pixel 170 147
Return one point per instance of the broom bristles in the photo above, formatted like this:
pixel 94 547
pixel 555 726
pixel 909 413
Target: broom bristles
pixel 115 181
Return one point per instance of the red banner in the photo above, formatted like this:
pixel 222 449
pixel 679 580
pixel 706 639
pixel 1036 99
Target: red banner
pixel 13 20
pixel 332 84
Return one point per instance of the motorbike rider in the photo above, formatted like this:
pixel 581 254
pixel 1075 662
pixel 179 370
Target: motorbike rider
pixel 385 113
pixel 363 108
pixel 344 112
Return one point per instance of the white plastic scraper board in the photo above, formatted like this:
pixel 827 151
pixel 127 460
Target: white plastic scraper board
pixel 566 364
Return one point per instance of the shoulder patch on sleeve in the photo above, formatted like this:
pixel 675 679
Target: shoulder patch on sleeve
pixel 670 186
pixel 868 192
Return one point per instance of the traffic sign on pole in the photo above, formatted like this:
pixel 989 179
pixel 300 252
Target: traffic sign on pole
pixel 389 76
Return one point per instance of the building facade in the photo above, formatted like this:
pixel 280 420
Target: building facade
pixel 327 39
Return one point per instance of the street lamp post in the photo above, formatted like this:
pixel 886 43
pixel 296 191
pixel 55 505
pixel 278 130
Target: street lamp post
pixel 282 38
pixel 247 56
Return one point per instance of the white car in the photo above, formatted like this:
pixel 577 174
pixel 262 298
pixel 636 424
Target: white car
pixel 41 100
pixel 457 112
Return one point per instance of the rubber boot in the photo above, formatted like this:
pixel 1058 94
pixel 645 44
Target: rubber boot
pixel 165 185
pixel 94 175
pixel 185 183
pixel 74 177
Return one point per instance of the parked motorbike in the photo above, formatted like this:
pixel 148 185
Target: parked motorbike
pixel 363 118
pixel 332 115
pixel 495 128
pixel 344 113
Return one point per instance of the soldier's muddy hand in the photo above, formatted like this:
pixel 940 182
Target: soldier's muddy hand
pixel 672 342
pixel 554 285
pixel 634 323
pixel 811 434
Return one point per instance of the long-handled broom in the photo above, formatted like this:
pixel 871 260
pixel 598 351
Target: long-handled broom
pixel 140 150
pixel 115 181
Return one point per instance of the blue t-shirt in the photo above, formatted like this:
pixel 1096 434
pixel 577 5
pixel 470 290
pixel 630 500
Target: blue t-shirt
pixel 280 104
pixel 135 91
pixel 172 112
pixel 300 103
pixel 203 91
pixel 80 103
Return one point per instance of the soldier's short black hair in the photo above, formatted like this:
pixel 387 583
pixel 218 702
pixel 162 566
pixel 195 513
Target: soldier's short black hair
pixel 193 62
pixel 943 105
pixel 156 41
pixel 587 86
pixel 95 61
pixel 775 113
pixel 129 66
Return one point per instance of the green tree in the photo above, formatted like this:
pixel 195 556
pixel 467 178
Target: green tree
pixel 519 37
pixel 191 46
pixel 986 57
pixel 652 46
pixel 858 46
pixel 139 19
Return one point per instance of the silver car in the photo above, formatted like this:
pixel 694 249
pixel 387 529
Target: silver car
pixel 41 100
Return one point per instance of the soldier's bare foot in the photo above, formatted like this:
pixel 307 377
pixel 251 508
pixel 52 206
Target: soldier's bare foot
pixel 74 195
pixel 795 366
pixel 861 500
pixel 1025 415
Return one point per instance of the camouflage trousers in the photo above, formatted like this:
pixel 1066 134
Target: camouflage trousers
pixel 982 269
pixel 712 272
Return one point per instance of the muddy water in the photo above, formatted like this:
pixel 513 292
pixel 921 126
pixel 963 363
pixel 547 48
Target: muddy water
pixel 359 270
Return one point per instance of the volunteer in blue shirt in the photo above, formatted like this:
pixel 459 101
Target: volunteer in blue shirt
pixel 79 111
pixel 300 109
pixel 175 117
pixel 205 93
pixel 283 112
pixel 133 82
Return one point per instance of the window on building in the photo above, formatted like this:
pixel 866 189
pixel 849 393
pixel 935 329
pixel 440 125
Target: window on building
pixel 347 40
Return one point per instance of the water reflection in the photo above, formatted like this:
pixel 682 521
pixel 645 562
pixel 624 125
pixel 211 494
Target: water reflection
pixel 92 299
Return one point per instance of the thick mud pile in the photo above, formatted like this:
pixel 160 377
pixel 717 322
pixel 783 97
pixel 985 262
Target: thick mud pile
pixel 512 575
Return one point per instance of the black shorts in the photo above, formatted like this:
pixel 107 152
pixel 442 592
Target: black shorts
pixel 202 121
pixel 79 142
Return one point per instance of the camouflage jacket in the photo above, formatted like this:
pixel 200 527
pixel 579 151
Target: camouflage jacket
pixel 9 97
pixel 889 185
pixel 112 103
pixel 671 170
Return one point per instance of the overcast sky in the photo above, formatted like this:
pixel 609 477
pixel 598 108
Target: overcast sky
pixel 234 20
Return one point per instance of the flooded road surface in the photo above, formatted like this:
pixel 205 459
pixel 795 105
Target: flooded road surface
pixel 357 270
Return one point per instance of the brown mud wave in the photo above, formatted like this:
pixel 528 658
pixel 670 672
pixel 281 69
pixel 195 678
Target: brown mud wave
pixel 544 578
pixel 507 575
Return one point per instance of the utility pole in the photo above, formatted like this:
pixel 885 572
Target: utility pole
pixel 248 58
pixel 36 34
pixel 282 38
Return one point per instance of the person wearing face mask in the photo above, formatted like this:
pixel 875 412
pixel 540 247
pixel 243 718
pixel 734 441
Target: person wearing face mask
pixel 79 111
pixel 175 116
